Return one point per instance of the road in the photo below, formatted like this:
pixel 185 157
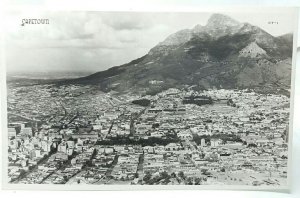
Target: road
pixel 133 119
pixel 25 117
pixel 140 168
pixel 33 169
pixel 62 167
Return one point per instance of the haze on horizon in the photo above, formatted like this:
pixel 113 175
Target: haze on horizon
pixel 95 41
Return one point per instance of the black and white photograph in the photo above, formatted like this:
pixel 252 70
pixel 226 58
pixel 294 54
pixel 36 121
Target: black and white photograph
pixel 103 98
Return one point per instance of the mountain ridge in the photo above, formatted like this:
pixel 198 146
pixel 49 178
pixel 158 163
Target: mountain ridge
pixel 207 56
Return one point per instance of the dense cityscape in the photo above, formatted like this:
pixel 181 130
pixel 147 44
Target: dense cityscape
pixel 76 134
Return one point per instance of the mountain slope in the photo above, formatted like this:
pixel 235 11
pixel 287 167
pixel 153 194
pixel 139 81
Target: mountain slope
pixel 223 54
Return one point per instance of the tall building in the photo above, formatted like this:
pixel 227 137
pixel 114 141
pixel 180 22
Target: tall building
pixel 62 147
pixel 203 142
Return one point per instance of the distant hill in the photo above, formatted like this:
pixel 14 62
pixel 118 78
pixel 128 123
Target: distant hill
pixel 222 54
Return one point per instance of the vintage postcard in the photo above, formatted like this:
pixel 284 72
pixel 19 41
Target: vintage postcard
pixel 99 100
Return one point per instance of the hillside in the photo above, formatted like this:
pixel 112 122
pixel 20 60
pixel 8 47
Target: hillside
pixel 222 54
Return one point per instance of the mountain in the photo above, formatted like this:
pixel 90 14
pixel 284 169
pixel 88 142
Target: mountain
pixel 222 54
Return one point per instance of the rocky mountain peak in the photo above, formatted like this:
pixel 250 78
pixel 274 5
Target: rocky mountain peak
pixel 220 20
pixel 219 25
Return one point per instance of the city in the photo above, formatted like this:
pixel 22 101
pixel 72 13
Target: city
pixel 77 134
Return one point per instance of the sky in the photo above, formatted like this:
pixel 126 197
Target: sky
pixel 95 41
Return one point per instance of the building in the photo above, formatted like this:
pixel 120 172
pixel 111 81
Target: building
pixel 12 132
pixel 26 131
pixel 215 142
pixel 62 147
pixel 203 142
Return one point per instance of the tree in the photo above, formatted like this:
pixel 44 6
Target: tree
pixel 155 125
pixel 142 102
pixel 189 181
pixel 173 175
pixel 197 181
pixel 181 175
pixel 147 177
pixel 136 175
pixel 251 145
pixel 166 181
pixel 204 171
pixel 164 175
